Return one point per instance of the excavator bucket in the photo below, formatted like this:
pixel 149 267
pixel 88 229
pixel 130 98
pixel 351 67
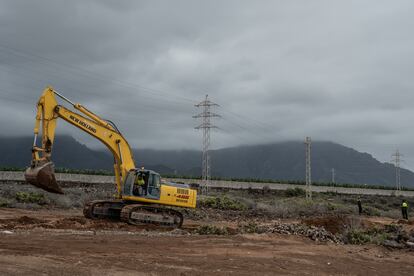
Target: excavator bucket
pixel 43 176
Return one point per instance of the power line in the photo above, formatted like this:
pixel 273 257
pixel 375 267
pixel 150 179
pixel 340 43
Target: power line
pixel 244 120
pixel 152 93
pixel 251 121
pixel 206 125
pixel 101 77
pixel 148 100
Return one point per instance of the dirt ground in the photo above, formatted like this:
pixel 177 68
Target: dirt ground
pixel 61 242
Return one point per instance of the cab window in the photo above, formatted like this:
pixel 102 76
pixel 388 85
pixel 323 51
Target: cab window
pixel 129 182
pixel 154 185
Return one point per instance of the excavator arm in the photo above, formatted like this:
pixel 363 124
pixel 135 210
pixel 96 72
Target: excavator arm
pixel 41 171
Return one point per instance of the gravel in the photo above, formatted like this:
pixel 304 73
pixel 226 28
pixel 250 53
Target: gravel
pixel 312 232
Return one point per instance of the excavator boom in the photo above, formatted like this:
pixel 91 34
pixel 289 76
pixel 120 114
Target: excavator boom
pixel 41 171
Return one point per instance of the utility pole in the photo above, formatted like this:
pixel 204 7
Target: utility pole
pixel 308 178
pixel 333 175
pixel 397 160
pixel 206 125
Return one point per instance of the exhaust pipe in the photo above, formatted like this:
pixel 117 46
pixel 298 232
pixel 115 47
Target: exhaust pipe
pixel 43 176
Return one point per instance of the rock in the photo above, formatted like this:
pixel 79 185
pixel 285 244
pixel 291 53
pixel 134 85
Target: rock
pixel 6 232
pixel 392 244
pixel 312 232
pixel 410 244
pixel 179 232
pixel 403 236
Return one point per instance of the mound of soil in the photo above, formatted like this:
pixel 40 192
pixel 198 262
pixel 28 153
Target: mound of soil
pixel 19 223
pixel 334 224
pixel 73 223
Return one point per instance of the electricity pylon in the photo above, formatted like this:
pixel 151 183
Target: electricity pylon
pixel 206 125
pixel 308 178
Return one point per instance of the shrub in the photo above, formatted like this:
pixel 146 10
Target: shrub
pixel 331 193
pixel 266 189
pixel 251 228
pixel 356 236
pixel 295 192
pixel 332 206
pixel 370 211
pixel 223 203
pixel 4 202
pixel 211 230
pixel 393 228
pixel 375 235
pixel 29 197
pixel 383 201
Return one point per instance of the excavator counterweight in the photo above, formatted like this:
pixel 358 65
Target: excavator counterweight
pixel 43 176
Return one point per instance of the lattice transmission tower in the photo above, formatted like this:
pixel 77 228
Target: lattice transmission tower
pixel 397 159
pixel 206 125
pixel 308 178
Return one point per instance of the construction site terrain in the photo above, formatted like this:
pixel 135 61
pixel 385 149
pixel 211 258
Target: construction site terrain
pixel 230 233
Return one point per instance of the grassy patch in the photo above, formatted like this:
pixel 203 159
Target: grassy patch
pixel 357 236
pixel 211 230
pixel 222 203
pixel 360 234
pixel 30 197
pixel 371 211
pixel 251 228
pixel 295 192
pixel 4 202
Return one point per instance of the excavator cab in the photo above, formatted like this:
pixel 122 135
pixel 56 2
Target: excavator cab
pixel 149 189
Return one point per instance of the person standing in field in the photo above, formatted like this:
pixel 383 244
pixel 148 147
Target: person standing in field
pixel 359 206
pixel 404 209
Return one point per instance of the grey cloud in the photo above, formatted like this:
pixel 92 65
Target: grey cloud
pixel 281 70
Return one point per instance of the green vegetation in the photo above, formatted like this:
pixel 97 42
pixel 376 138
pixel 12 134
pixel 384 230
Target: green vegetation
pixel 373 235
pixel 357 237
pixel 211 230
pixel 295 192
pixel 358 232
pixel 30 197
pixel 251 228
pixel 371 211
pixel 4 202
pixel 222 203
pixel 12 169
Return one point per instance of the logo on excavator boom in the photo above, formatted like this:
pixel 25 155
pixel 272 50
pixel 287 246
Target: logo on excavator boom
pixel 82 123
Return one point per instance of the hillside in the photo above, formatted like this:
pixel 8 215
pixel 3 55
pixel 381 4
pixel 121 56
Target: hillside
pixel 280 161
pixel 67 153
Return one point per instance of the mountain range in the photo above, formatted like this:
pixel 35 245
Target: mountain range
pixel 278 161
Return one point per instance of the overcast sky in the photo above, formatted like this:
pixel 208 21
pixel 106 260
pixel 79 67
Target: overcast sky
pixel 341 71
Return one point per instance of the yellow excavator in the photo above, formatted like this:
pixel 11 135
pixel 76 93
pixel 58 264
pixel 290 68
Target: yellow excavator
pixel 141 198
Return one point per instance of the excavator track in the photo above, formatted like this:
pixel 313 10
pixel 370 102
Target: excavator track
pixel 103 209
pixel 138 214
